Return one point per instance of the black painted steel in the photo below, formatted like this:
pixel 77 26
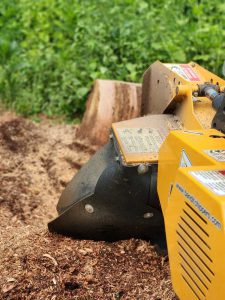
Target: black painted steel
pixel 109 201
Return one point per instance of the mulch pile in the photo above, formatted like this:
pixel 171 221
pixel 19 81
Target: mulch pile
pixel 36 163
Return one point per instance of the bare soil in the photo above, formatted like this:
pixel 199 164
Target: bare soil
pixel 37 160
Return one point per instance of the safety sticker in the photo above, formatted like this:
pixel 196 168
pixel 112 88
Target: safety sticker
pixel 218 155
pixel 185 161
pixel 193 132
pixel 141 140
pixel 213 180
pixel 185 71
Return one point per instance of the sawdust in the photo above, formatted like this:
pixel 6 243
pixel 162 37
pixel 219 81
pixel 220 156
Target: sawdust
pixel 36 163
pixel 204 112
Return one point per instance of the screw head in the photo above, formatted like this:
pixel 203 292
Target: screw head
pixel 142 169
pixel 148 215
pixel 89 208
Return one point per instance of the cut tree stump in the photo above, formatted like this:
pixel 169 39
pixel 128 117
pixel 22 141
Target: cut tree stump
pixel 109 101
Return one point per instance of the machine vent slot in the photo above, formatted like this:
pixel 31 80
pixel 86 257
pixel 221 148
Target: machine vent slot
pixel 190 267
pixel 192 280
pixel 194 254
pixel 185 233
pixel 193 220
pixel 194 232
pixel 189 285
pixel 194 251
pixel 196 213
pixel 197 264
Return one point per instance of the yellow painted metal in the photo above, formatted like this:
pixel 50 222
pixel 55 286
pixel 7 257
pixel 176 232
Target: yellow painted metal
pixel 185 111
pixel 207 76
pixel 204 112
pixel 194 213
pixel 196 114
pixel 165 89
pixel 160 83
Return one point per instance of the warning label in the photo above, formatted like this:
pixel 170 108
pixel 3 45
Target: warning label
pixel 185 71
pixel 193 132
pixel 218 155
pixel 185 161
pixel 141 140
pixel 213 180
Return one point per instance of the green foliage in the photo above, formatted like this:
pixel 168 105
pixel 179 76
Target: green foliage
pixel 51 51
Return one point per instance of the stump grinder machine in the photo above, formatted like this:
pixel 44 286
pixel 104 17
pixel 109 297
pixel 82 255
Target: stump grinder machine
pixel 161 175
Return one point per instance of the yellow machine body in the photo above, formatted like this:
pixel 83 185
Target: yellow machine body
pixel 191 174
pixel 191 188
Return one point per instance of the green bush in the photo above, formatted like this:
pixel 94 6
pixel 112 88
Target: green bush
pixel 51 51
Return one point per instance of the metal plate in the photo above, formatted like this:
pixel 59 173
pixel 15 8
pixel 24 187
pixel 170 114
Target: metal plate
pixel 139 140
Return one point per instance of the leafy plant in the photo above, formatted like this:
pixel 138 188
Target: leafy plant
pixel 51 51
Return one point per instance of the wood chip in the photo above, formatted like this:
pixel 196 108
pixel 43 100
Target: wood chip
pixel 52 259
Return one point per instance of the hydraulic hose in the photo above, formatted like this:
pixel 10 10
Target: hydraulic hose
pixel 212 93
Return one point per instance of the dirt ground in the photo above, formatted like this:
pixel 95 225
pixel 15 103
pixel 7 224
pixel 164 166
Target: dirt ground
pixel 37 160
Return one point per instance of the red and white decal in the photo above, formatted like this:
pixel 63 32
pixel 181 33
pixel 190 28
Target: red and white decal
pixel 190 73
pixel 185 71
pixel 214 180
pixel 217 154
